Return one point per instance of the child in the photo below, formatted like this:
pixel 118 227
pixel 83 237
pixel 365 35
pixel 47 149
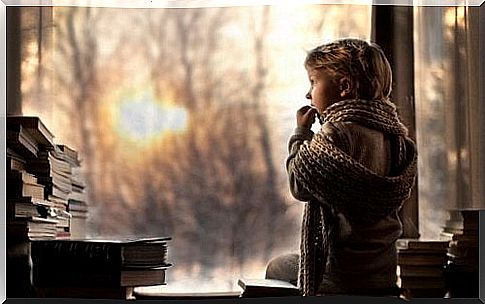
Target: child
pixel 354 174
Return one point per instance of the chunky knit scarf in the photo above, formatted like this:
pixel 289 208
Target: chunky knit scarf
pixel 340 184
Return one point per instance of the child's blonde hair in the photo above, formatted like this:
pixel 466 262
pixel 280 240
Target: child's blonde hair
pixel 363 63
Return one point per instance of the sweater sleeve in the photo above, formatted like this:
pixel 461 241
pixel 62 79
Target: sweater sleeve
pixel 300 136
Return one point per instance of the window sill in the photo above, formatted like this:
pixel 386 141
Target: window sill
pixel 143 293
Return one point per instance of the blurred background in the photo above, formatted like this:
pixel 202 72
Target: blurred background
pixel 181 117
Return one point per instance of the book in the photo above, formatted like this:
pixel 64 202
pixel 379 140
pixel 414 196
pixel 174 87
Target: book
pixel 78 214
pixel 75 205
pixel 123 293
pixel 103 253
pixel 418 244
pixel 58 275
pixel 56 180
pixel 430 259
pixel 28 207
pixel 15 161
pixel 54 173
pixel 70 155
pixel 53 190
pixel 34 228
pixel 34 126
pixel 464 251
pixel 267 288
pixel 77 196
pixel 22 142
pixel 445 236
pixel 58 202
pixel 421 271
pixel 470 219
pixel 56 160
pixel 21 176
pixel 422 282
pixel 452 230
pixel 461 233
pixel 18 188
pixel 472 259
pixel 461 221
pixel 426 292
pixel 155 292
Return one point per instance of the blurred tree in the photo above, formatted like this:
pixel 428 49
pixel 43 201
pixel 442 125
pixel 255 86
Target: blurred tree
pixel 222 172
pixel 77 77
pixel 211 187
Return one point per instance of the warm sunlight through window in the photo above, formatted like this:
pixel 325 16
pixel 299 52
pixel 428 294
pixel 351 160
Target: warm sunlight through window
pixel 141 118
pixel 203 163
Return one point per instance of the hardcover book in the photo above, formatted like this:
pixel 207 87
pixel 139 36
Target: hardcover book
pixel 267 288
pixel 34 126
pixel 102 253
pixel 57 275
pixel 418 244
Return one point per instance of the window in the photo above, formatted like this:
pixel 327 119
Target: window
pixel 449 107
pixel 182 117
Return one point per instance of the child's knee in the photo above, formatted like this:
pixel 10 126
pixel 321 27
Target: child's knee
pixel 283 268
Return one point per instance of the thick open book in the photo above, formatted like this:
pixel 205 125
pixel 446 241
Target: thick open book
pixel 267 288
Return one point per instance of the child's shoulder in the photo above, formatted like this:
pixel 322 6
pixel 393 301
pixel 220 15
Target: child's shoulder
pixel 348 136
pixel 335 129
pixel 338 132
pixel 346 129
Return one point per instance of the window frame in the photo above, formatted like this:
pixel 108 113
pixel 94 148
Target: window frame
pixel 392 29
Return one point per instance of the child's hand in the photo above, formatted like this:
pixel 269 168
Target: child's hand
pixel 305 117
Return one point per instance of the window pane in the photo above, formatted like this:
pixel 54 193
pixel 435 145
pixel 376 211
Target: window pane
pixel 449 128
pixel 182 118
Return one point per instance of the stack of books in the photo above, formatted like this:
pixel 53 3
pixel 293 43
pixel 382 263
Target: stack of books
pixel 98 267
pixel 28 135
pixel 453 225
pixel 44 172
pixel 54 172
pixel 421 267
pixel 29 215
pixel 462 267
pixel 77 201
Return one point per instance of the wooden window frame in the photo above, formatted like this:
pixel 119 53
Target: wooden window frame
pixel 392 29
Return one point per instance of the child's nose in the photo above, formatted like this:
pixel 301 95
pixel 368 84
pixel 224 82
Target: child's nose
pixel 308 95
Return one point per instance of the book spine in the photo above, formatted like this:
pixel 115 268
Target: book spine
pixel 78 255
pixel 20 189
pixel 15 164
pixel 21 176
pixel 45 275
pixel 54 276
pixel 21 144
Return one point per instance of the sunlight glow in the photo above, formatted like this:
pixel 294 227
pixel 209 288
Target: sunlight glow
pixel 142 118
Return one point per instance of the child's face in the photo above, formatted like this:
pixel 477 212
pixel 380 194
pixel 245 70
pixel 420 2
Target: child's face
pixel 324 90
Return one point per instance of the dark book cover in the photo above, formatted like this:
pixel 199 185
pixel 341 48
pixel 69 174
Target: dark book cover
pixel 417 244
pixel 422 259
pixel 102 253
pixel 58 275
pixel 267 288
pixel 35 127
pixel 22 142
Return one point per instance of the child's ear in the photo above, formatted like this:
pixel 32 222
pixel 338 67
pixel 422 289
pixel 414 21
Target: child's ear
pixel 345 87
